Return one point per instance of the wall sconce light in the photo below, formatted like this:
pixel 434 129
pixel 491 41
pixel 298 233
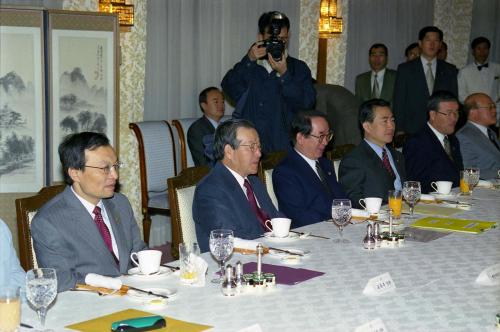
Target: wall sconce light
pixel 125 11
pixel 329 24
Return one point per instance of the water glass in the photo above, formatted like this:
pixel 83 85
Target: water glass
pixel 188 254
pixel 411 194
pixel 341 215
pixel 10 309
pixel 221 246
pixel 41 290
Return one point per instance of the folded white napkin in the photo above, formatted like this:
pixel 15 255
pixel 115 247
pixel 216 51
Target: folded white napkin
pixel 358 213
pixel 484 184
pixel 200 266
pixel 427 197
pixel 98 280
pixel 245 244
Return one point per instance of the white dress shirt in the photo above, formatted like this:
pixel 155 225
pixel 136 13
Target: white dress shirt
pixel 433 65
pixel 241 181
pixel 486 80
pixel 438 134
pixel 310 162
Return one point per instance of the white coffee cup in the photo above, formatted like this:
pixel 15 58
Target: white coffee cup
pixel 280 226
pixel 442 187
pixel 148 261
pixel 371 204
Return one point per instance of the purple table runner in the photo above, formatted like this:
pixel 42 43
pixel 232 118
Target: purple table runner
pixel 284 275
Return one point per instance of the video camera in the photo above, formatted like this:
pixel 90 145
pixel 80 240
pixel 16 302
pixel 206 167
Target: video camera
pixel 274 45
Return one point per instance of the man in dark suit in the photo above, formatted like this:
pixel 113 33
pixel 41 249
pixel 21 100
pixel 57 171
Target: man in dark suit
pixel 373 167
pixel 211 103
pixel 231 196
pixel 433 154
pixel 479 145
pixel 417 79
pixel 304 182
pixel 88 228
pixel 378 82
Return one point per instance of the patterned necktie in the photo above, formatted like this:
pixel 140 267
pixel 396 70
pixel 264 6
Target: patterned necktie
pixel 447 147
pixel 103 229
pixel 492 137
pixel 387 163
pixel 322 177
pixel 429 78
pixel 376 89
pixel 260 213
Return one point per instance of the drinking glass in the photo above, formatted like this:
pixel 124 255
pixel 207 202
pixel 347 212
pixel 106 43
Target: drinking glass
pixel 395 203
pixel 464 183
pixel 411 194
pixel 221 246
pixel 10 309
pixel 41 290
pixel 341 215
pixel 473 177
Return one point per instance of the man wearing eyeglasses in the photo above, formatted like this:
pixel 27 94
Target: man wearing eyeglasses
pixel 433 154
pixel 88 228
pixel 373 167
pixel 479 145
pixel 231 196
pixel 305 182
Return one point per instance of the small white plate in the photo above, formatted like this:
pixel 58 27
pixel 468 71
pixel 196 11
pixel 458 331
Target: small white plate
pixel 171 293
pixel 291 237
pixel 450 196
pixel 135 272
pixel 280 254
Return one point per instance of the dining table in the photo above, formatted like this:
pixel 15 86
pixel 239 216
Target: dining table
pixel 433 288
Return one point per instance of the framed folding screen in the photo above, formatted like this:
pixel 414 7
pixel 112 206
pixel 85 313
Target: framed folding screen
pixel 22 103
pixel 83 77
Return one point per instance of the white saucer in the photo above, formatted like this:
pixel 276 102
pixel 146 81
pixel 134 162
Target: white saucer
pixel 280 254
pixel 291 237
pixel 443 196
pixel 135 272
pixel 143 296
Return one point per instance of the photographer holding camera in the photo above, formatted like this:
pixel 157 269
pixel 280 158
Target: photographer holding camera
pixel 268 85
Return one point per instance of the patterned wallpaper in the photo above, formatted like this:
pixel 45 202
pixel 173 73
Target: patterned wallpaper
pixel 132 73
pixel 454 17
pixel 308 49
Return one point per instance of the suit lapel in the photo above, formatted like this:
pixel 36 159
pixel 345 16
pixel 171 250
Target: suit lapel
pixel 377 162
pixel 419 76
pixel 480 139
pixel 307 170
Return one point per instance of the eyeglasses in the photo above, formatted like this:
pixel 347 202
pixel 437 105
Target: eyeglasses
pixel 489 107
pixel 455 114
pixel 321 138
pixel 253 147
pixel 107 169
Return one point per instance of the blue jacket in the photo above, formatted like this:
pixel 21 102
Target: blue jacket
pixel 301 195
pixel 270 102
pixel 220 203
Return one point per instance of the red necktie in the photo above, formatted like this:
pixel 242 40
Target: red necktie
pixel 103 229
pixel 260 213
pixel 387 163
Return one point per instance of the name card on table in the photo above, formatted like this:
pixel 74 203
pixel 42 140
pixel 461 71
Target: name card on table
pixel 253 328
pixel 490 276
pixel 376 325
pixel 379 285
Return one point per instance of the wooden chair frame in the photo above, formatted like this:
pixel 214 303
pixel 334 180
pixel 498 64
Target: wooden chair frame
pixel 23 207
pixel 182 143
pixel 187 178
pixel 146 210
pixel 270 161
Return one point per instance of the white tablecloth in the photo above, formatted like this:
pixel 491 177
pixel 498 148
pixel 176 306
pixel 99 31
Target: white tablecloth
pixel 436 289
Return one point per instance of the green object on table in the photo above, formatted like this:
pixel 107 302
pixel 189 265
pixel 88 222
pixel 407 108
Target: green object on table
pixel 455 225
pixel 139 324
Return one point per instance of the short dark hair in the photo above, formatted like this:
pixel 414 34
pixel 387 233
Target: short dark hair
pixel 425 30
pixel 367 110
pixel 266 19
pixel 409 48
pixel 226 133
pixel 378 45
pixel 301 123
pixel 480 40
pixel 439 97
pixel 202 98
pixel 72 150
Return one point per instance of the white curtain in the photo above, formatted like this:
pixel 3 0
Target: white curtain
pixel 486 22
pixel 394 23
pixel 191 44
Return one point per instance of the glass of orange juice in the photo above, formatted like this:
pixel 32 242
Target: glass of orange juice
pixel 10 309
pixel 464 183
pixel 395 202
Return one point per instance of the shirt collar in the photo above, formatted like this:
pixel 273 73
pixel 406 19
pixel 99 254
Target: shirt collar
pixel 310 161
pixel 380 73
pixel 212 121
pixel 437 133
pixel 88 206
pixel 237 176
pixel 425 61
pixel 482 128
pixel 375 147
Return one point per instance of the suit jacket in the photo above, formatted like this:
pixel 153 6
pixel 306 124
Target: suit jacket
pixel 426 160
pixel 362 173
pixel 300 193
pixel 478 151
pixel 364 85
pixel 66 238
pixel 220 203
pixel 411 93
pixel 195 134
